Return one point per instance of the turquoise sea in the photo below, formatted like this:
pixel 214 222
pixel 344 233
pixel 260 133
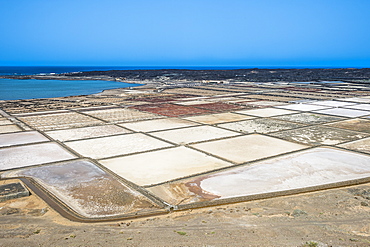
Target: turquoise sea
pixel 11 89
pixel 35 89
pixel 30 89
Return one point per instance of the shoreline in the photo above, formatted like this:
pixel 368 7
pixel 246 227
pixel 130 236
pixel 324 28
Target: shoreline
pixel 16 89
pixel 162 79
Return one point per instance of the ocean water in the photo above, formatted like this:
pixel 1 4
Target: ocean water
pixel 29 89
pixel 11 89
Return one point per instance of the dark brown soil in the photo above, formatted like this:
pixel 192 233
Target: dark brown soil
pixel 256 75
pixel 260 75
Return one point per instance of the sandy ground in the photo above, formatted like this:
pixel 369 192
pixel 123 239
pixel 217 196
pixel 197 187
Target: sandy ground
pixel 336 217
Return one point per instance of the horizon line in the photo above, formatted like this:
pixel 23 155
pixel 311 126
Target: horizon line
pixel 203 66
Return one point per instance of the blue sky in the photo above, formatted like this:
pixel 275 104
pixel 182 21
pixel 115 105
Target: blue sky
pixel 318 33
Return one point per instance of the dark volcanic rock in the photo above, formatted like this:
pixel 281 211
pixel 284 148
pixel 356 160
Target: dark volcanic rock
pixel 258 75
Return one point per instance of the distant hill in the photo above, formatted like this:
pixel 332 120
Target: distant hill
pixel 259 75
